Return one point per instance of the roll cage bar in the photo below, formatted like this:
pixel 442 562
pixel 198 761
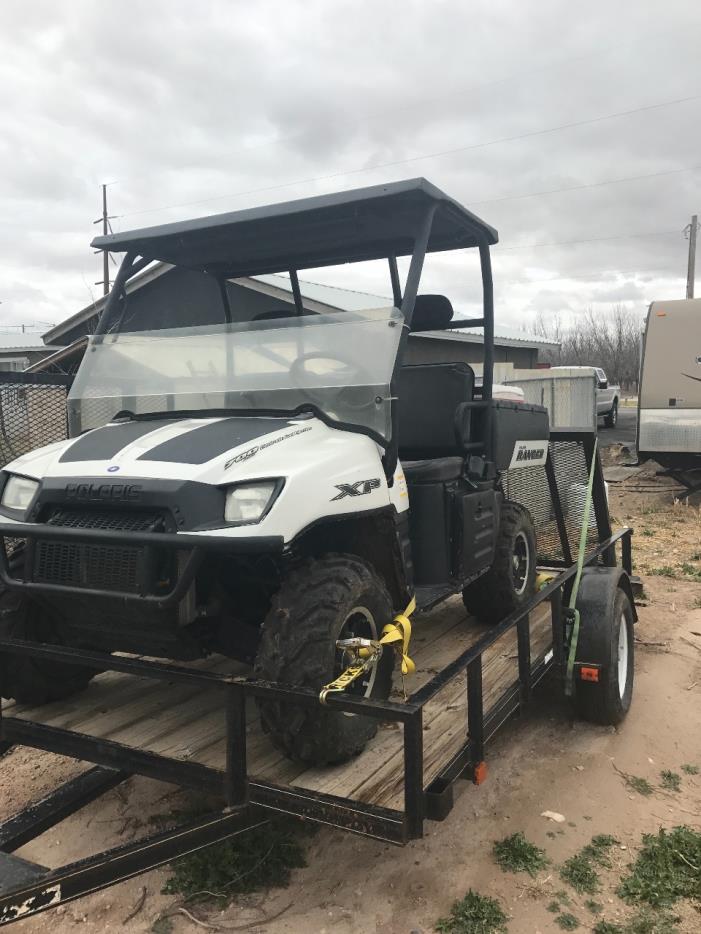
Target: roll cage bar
pixel 410 218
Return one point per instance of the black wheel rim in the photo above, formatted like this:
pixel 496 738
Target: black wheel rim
pixel 520 563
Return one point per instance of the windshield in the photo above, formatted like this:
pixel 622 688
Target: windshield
pixel 339 362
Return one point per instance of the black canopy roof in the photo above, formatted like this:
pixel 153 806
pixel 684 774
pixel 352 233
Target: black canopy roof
pixel 348 226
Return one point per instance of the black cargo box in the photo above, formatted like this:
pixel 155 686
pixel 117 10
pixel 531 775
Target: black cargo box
pixel 515 423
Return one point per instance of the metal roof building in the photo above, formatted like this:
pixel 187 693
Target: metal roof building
pixel 19 348
pixel 168 296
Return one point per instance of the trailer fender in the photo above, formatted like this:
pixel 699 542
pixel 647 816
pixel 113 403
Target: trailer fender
pixel 597 591
pixel 604 663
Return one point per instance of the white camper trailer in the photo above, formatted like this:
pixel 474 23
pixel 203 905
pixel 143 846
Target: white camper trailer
pixel 669 406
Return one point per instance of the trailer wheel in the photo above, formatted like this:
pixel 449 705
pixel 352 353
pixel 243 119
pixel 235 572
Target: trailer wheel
pixel 606 639
pixel 611 418
pixel 510 582
pixel 23 678
pixel 321 601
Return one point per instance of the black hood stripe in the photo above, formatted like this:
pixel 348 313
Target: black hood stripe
pixel 202 444
pixel 103 444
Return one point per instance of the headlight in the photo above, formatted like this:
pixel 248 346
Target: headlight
pixel 19 492
pixel 248 502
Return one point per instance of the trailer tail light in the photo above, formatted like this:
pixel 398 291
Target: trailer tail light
pixel 479 773
pixel 589 673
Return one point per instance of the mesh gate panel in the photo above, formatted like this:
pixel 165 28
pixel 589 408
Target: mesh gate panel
pixel 32 413
pixel 529 487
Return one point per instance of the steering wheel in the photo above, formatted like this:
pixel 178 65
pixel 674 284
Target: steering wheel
pixel 354 398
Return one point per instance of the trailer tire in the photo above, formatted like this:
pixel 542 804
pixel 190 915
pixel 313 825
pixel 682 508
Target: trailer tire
pixel 23 678
pixel 606 639
pixel 317 601
pixel 506 587
pixel 611 418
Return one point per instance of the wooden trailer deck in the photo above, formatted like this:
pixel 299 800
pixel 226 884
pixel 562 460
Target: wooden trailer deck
pixel 187 722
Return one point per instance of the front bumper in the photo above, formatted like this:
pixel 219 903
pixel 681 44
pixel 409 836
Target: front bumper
pixel 194 548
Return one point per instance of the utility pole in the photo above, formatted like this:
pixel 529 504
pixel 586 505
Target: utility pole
pixel 105 254
pixel 105 221
pixel 691 229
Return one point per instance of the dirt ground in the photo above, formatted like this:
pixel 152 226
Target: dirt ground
pixel 544 760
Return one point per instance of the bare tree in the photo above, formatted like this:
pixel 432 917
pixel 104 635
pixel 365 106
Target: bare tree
pixel 610 340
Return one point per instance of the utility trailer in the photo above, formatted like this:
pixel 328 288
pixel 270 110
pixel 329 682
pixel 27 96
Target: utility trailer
pixel 269 492
pixel 470 679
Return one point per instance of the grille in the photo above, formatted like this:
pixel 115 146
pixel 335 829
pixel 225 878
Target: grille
pixel 529 486
pixel 102 567
pixel 106 519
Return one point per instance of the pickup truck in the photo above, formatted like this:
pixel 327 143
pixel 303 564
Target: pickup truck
pixel 607 397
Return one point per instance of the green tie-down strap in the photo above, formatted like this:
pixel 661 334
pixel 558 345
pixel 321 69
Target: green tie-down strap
pixel 573 611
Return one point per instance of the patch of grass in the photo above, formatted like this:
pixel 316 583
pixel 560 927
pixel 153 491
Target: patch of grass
pixel 474 914
pixel 642 922
pixel 567 922
pixel 579 870
pixel 668 867
pixel 665 570
pixel 516 854
pixel 595 907
pixel 554 908
pixel 690 769
pixel 636 783
pixel 649 922
pixel 648 533
pixel 599 847
pixel 697 603
pixel 670 781
pixel 607 927
pixel 260 859
pixel 691 571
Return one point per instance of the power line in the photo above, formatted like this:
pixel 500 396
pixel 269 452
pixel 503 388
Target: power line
pixel 537 246
pixel 585 185
pixel 567 62
pixel 431 155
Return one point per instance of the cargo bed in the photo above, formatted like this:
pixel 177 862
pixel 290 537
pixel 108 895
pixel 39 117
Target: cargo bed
pixel 187 722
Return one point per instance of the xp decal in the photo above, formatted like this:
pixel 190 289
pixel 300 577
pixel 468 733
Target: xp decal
pixel 359 488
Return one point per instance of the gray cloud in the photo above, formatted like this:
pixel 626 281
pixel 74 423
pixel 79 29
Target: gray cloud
pixel 179 103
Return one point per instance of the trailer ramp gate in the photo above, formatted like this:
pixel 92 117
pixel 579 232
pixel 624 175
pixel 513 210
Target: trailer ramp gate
pixel 248 799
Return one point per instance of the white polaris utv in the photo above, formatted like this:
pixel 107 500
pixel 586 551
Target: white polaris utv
pixel 265 488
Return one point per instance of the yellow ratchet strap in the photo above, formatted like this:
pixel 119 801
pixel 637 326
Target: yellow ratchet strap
pixel 351 674
pixel 399 631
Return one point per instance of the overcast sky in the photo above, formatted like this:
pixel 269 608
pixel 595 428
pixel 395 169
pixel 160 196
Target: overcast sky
pixel 234 104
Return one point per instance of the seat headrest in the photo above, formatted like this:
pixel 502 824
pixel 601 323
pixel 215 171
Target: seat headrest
pixel 288 311
pixel 431 313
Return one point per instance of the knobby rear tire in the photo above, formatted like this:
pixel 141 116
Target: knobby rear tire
pixel 495 595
